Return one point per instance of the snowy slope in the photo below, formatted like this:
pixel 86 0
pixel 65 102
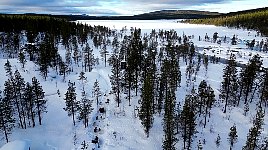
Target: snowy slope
pixel 120 128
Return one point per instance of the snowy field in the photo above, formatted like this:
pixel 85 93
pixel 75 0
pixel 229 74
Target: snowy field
pixel 120 129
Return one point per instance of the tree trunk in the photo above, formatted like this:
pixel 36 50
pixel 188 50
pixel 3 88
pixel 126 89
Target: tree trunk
pixel 19 113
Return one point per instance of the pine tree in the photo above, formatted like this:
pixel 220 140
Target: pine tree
pixel 39 100
pixel 232 136
pixel 82 78
pixel 116 77
pixel 18 91
pixel 248 75
pixel 96 91
pixel 146 109
pixel 229 84
pixel 254 132
pixel 169 123
pixel 70 101
pixel 8 69
pixel 187 122
pixel 88 58
pixel 7 122
pixel 264 88
pixel 85 108
pixel 28 99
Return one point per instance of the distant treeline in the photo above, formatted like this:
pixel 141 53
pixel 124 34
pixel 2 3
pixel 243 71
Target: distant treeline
pixel 162 14
pixel 256 19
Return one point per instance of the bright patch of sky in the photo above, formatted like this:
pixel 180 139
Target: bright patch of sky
pixel 124 7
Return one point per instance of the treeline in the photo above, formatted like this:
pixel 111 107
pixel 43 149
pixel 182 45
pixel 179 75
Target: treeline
pixel 256 20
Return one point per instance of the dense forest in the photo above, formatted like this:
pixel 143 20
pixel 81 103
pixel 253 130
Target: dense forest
pixel 254 19
pixel 146 66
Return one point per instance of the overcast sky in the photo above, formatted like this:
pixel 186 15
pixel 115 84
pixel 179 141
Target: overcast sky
pixel 124 7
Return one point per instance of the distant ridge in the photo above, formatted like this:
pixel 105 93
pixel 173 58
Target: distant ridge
pixel 155 15
pixel 162 14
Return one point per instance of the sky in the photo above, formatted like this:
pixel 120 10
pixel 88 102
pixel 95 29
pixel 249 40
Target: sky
pixel 124 7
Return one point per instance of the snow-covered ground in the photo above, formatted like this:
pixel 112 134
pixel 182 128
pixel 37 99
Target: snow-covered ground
pixel 120 128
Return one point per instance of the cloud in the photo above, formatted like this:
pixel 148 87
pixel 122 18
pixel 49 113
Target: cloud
pixel 101 7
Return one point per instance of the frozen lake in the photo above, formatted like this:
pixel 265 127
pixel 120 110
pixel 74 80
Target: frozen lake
pixel 146 26
pixel 188 29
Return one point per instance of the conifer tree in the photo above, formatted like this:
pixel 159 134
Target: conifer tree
pixel 70 101
pixel 85 108
pixel 88 58
pixel 232 136
pixel 96 91
pixel 146 108
pixel 248 75
pixel 116 77
pixel 255 131
pixel 28 99
pixel 229 84
pixel 19 86
pixel 7 122
pixel 8 69
pixel 187 122
pixel 169 123
pixel 39 101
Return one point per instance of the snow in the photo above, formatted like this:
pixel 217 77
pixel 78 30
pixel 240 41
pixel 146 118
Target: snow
pixel 120 128
pixel 16 145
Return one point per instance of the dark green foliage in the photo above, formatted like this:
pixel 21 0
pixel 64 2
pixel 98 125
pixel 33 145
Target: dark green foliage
pixel 248 76
pixel 85 108
pixel 229 85
pixel 39 100
pixel 264 88
pixel 116 77
pixel 88 58
pixel 255 19
pixel 8 69
pixel 187 122
pixel 7 121
pixel 146 109
pixel 28 101
pixel 72 105
pixel 169 123
pixel 96 91
pixel 255 131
